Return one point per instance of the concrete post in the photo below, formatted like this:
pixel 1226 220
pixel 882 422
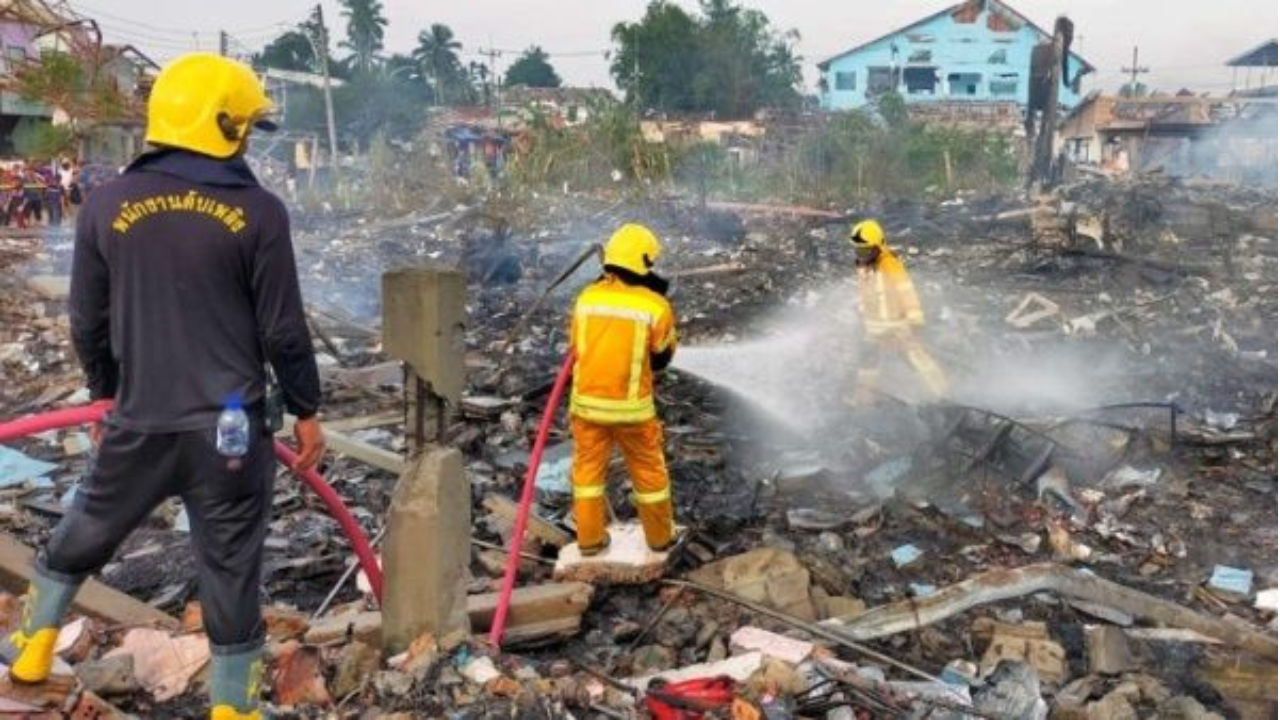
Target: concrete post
pixel 427 551
pixel 423 318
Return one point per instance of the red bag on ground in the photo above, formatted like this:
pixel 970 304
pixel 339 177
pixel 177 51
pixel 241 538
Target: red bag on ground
pixel 689 699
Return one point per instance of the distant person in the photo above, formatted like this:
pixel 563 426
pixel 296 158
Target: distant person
pixel 183 286
pixel 53 199
pixel 11 198
pixel 891 312
pixel 85 179
pixel 68 182
pixel 33 187
pixel 623 331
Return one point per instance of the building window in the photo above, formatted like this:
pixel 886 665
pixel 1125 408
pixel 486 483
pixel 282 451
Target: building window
pixel 964 84
pixel 1004 85
pixel 921 56
pixel 999 57
pixel 880 80
pixel 846 81
pixel 15 55
pixel 921 80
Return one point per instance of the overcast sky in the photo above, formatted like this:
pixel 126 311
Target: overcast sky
pixel 1184 44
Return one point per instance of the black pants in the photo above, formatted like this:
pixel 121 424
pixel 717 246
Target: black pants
pixel 229 509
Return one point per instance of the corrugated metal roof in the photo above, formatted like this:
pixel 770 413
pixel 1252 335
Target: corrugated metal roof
pixel 1262 56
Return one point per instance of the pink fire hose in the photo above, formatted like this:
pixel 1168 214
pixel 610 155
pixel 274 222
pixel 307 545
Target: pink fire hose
pixel 70 417
pixel 526 501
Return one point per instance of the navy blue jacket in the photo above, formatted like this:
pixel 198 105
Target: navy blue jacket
pixel 183 285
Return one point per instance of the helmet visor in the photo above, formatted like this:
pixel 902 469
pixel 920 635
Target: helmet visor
pixel 266 122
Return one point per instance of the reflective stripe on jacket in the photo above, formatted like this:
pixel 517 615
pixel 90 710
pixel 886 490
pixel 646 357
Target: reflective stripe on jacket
pixel 887 296
pixel 614 330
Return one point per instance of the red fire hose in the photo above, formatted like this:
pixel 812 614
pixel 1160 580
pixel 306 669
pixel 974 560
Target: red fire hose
pixel 56 420
pixel 70 417
pixel 526 501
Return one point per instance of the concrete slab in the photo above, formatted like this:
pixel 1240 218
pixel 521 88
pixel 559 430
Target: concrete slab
pixel 51 287
pixel 1109 652
pixel 365 627
pixel 780 647
pixel 627 561
pixel 738 667
pixel 765 575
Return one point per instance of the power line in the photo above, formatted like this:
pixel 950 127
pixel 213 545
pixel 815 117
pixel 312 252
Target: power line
pixel 144 37
pixel 171 30
pixel 485 52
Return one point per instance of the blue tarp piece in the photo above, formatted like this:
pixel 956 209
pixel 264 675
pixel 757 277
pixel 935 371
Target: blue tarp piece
pixel 1232 580
pixel 16 468
pixel 904 555
pixel 553 473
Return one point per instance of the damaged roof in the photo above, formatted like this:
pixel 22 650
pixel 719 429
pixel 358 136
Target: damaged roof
pixel 1262 56
pixel 955 9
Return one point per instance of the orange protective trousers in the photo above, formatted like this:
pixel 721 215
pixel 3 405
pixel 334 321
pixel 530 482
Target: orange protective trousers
pixel 641 446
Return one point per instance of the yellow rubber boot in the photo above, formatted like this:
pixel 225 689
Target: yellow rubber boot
pixel 35 655
pixel 29 651
pixel 227 712
pixel 235 680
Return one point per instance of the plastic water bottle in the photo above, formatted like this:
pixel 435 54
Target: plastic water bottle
pixel 233 429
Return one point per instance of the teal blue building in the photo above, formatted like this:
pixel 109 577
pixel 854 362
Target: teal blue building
pixel 978 50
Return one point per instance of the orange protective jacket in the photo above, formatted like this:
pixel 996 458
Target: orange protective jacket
pixel 615 329
pixel 887 296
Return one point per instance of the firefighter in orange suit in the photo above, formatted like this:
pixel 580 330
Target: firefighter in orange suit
pixel 622 331
pixel 890 309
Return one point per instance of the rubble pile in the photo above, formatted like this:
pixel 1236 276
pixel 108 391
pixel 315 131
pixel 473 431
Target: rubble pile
pixel 999 554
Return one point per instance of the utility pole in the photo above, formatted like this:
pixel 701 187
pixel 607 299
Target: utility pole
pixel 1134 69
pixel 635 68
pixel 1047 67
pixel 491 89
pixel 223 43
pixel 321 47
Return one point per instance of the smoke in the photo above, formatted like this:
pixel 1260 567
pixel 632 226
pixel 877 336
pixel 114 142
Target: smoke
pixel 801 369
pixel 1240 149
pixel 798 369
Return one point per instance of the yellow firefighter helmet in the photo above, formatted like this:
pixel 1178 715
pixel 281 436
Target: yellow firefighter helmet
pixel 867 233
pixel 633 247
pixel 206 103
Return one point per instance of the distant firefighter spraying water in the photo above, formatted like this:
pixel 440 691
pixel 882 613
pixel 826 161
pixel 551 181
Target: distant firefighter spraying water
pixel 891 312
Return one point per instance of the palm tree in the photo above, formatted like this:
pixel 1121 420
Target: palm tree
pixel 366 28
pixel 437 54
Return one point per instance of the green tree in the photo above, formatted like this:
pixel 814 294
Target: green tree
pixel 290 51
pixel 37 139
pixel 406 73
pixel 728 60
pixel 296 50
pixel 1134 90
pixel 655 58
pixel 893 110
pixel 81 84
pixel 366 30
pixel 533 69
pixel 369 104
pixel 437 54
pixel 475 86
